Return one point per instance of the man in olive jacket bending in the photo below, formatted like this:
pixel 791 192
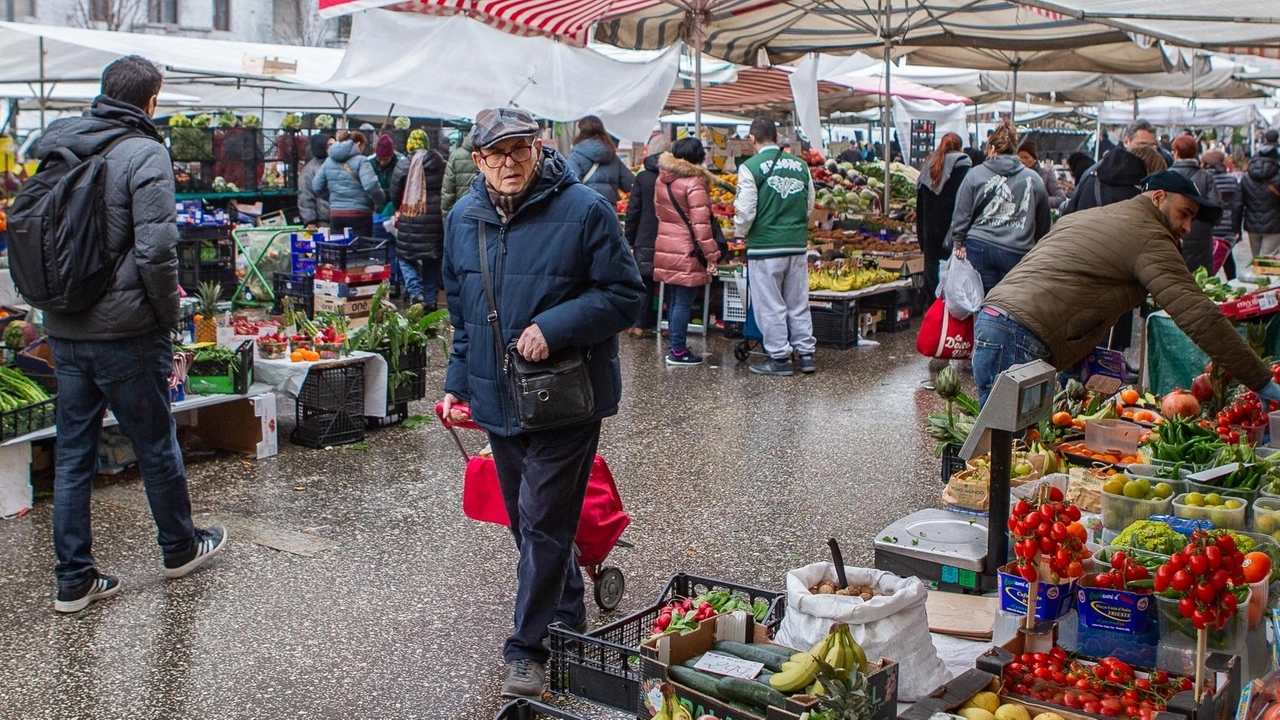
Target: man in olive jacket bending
pixel 1096 265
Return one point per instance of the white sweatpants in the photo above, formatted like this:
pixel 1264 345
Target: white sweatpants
pixel 780 302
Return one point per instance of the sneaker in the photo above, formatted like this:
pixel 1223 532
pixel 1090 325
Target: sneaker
pixel 208 543
pixel 418 299
pixel 76 599
pixel 685 358
pixel 771 366
pixel 525 678
pixel 808 364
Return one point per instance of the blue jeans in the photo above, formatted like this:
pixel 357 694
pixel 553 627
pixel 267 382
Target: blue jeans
pixel 131 377
pixel 680 310
pixel 991 261
pixel 422 277
pixel 999 343
pixel 543 476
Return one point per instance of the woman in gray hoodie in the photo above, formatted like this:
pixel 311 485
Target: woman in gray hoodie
pixel 1002 209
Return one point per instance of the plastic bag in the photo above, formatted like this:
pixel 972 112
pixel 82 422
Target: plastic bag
pixel 894 626
pixel 962 289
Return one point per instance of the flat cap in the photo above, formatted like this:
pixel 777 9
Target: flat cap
pixel 493 125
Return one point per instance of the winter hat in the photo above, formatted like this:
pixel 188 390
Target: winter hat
pixel 1215 159
pixel 320 146
pixel 417 141
pixel 658 144
pixel 1029 148
pixel 386 147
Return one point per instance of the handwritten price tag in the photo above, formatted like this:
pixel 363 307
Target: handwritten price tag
pixel 731 666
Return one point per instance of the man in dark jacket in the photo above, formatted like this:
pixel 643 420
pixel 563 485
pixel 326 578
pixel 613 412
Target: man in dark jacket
pixel 1116 176
pixel 1228 184
pixel 642 232
pixel 1257 207
pixel 561 278
pixel 117 354
pixel 1197 245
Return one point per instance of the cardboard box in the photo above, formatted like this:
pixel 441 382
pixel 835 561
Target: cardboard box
pixel 245 426
pixel 912 264
pixel 363 275
pixel 1111 609
pixel 345 290
pixel 1263 302
pixel 1053 600
pixel 661 652
pixel 351 307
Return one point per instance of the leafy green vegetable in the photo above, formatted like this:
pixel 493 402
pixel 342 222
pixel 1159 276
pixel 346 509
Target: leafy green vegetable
pixel 1152 536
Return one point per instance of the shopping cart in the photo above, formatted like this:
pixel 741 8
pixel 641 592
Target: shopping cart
pixel 752 339
pixel 599 529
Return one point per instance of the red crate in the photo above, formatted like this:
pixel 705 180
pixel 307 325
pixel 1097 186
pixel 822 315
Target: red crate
pixel 334 274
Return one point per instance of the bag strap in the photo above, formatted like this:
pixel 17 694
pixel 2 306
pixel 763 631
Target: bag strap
pixel 352 173
pixel 590 173
pixel 765 180
pixel 1097 190
pixel 72 160
pixel 696 252
pixel 492 317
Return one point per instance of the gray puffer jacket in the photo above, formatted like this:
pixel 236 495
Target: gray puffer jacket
pixel 610 177
pixel 313 207
pixel 143 298
pixel 349 179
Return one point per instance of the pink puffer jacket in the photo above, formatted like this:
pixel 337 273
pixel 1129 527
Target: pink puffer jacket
pixel 674 262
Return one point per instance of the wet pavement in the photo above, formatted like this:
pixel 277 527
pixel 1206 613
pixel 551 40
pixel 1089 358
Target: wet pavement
pixel 354 587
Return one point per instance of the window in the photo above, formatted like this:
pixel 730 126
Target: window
pixel 20 9
pixel 222 15
pixel 163 12
pixel 99 10
pixel 344 27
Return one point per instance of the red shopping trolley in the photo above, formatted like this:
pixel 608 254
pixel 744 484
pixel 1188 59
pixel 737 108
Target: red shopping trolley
pixel 599 529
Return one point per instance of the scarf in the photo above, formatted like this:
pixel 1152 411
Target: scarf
pixel 415 189
pixel 507 203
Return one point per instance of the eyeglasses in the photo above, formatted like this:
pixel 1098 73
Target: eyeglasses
pixel 495 160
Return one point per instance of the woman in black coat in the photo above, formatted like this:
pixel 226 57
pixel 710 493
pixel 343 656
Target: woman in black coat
pixel 642 232
pixel 940 180
pixel 420 229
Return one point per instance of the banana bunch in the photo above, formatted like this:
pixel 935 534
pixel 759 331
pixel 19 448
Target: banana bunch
pixel 838 649
pixel 671 708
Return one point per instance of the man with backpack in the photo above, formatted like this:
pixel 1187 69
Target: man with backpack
pixel 108 314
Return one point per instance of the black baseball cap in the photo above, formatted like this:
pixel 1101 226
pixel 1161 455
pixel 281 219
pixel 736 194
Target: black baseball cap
pixel 1175 182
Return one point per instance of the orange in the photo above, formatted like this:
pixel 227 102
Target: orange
pixel 1062 419
pixel 312 355
pixel 1129 396
pixel 1256 567
pixel 1078 424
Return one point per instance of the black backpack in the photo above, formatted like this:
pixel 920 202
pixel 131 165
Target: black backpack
pixel 58 252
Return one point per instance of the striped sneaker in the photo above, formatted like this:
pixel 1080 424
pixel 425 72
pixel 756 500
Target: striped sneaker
pixel 78 598
pixel 208 543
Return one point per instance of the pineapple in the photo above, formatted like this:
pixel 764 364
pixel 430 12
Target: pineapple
pixel 207 311
pixel 845 697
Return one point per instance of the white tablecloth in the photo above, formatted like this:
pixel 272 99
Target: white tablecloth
pixel 287 377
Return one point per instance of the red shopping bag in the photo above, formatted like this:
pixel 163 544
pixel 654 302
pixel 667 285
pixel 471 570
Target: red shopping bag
pixel 942 336
pixel 481 494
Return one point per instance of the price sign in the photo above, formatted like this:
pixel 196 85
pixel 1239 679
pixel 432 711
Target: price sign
pixel 1267 301
pixel 731 666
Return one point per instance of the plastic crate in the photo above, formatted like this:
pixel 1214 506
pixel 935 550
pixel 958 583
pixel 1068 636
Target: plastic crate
pixel 835 322
pixel 734 306
pixel 603 666
pixel 230 380
pixel 399 396
pixel 300 287
pixel 896 319
pixel 355 255
pixel 28 418
pixel 951 462
pixel 524 709
pixel 330 408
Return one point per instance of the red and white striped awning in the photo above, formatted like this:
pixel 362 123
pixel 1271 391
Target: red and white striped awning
pixel 570 20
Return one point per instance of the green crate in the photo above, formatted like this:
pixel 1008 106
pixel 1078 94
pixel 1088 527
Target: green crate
pixel 233 381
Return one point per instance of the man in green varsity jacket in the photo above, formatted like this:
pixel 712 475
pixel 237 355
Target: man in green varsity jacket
pixel 775 195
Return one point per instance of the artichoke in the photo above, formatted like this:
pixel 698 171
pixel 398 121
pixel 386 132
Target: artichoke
pixel 401 123
pixel 179 121
pixel 292 121
pixel 203 120
pixel 324 122
pixel 226 119
pixel 252 121
pixel 947 383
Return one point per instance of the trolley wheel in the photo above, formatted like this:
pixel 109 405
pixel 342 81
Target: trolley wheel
pixel 609 588
pixel 742 350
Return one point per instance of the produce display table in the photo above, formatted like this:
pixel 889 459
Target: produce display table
pixel 835 314
pixel 1171 359
pixel 287 377
pixel 15 454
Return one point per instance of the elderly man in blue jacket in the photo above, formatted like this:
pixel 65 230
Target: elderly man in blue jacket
pixel 562 277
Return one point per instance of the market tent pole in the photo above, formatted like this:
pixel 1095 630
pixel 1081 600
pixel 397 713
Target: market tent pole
pixel 1013 105
pixel 40 46
pixel 1097 133
pixel 697 78
pixel 1135 106
pixel 887 108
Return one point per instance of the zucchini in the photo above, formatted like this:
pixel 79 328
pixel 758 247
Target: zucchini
pixel 763 678
pixel 770 659
pixel 694 680
pixel 751 693
pixel 692 661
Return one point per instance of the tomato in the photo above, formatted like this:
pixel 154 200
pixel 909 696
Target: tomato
pixel 1205 592
pixel 1047 512
pixel 1130 695
pixel 1014 667
pixel 1075 569
pixel 1028 659
pixel 1176 562
pixel 1142 684
pixel 1055 495
pixel 1021 507
pixel 1070 700
pixel 1180 581
pixel 1029 573
pixel 1185 684
pixel 1199 619
pixel 1072 512
pixel 1226 543
pixel 1041 658
pixel 1082 684
pixel 1058 531
pixel 1198 564
pixel 1213 554
pixel 1162 677
pixel 1043 673
pixel 1059 678
pixel 1047 545
pixel 1229 603
pixel 1092 708
pixel 1186 606
pixel 1122 666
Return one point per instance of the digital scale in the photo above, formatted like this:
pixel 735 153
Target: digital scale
pixel 954 551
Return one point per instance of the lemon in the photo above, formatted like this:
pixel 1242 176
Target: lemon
pixel 1114 486
pixel 1194 499
pixel 1163 490
pixel 1213 499
pixel 1232 505
pixel 1011 711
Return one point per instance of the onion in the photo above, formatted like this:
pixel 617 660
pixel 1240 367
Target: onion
pixel 1180 403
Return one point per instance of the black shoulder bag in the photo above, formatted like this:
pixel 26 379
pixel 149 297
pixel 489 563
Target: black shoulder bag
pixel 547 394
pixel 717 233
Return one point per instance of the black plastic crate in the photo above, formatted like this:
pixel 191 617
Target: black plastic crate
pixel 896 319
pixel 301 287
pixel 603 666
pixel 330 407
pixel 525 709
pixel 835 322
pixel 361 252
pixel 952 463
pixel 28 419
pixel 409 386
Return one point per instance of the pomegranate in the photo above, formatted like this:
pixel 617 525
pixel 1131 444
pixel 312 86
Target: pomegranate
pixel 1202 387
pixel 1180 403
